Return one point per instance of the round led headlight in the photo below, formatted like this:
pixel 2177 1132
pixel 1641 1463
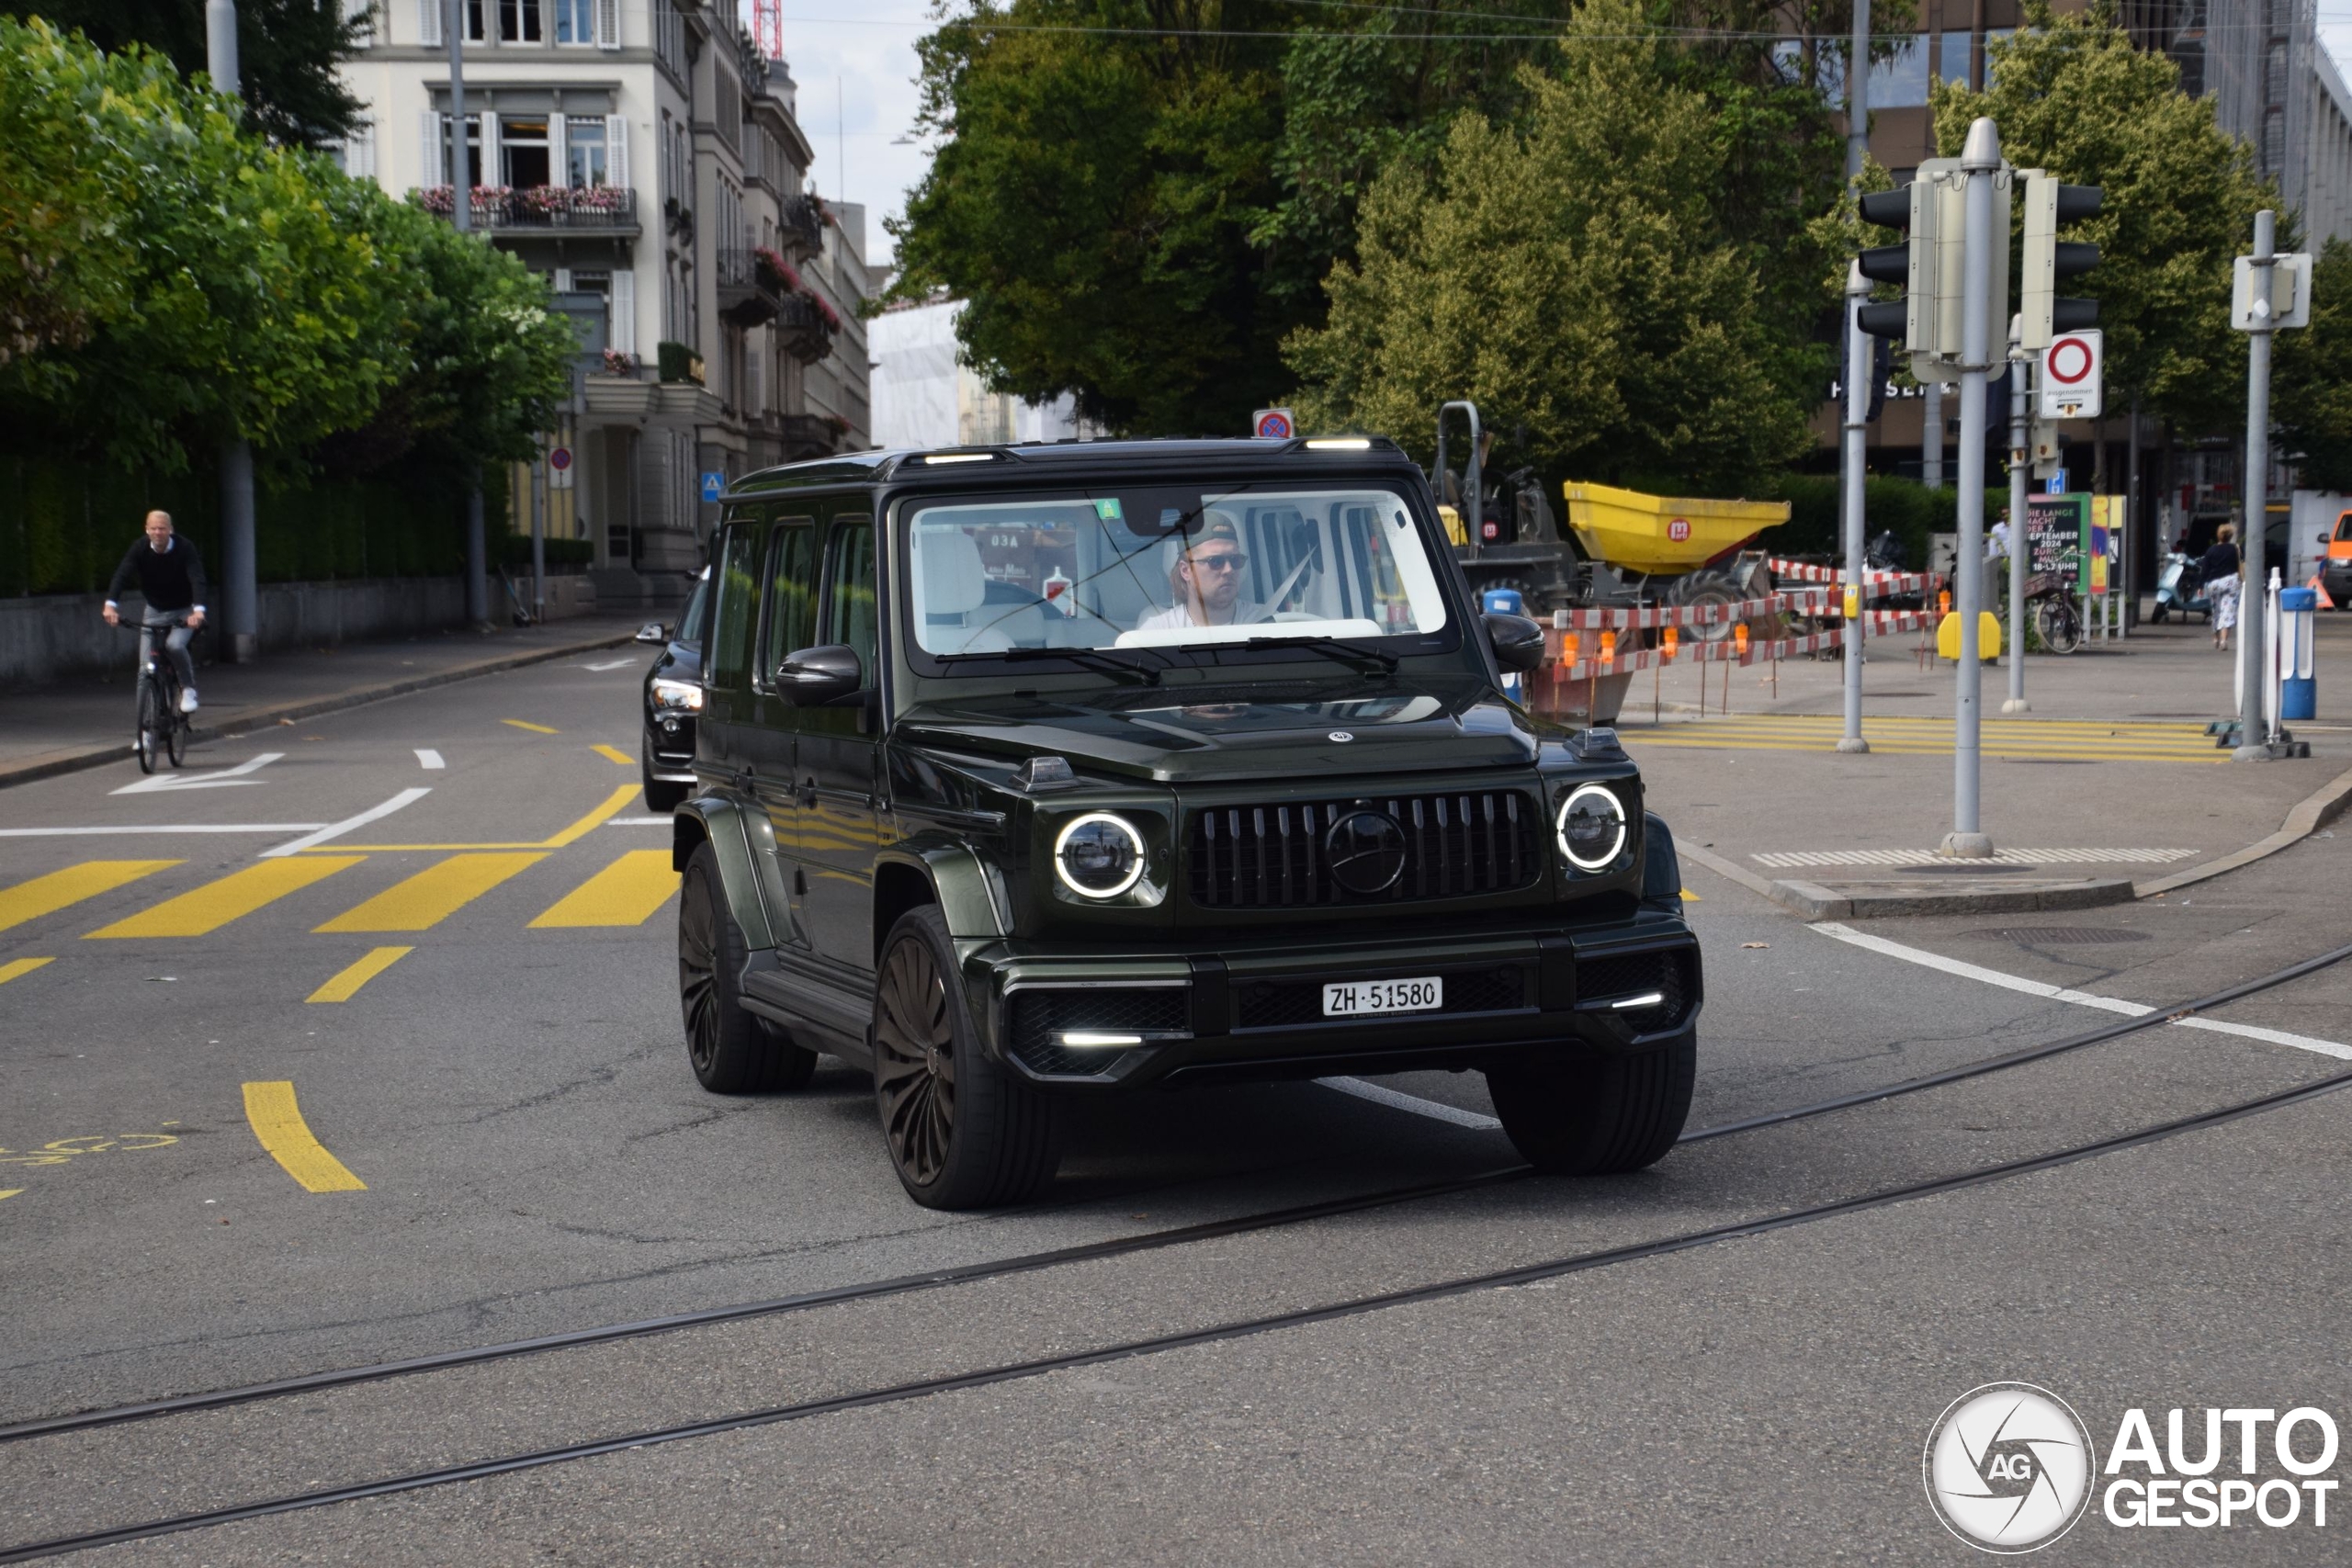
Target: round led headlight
pixel 1592 827
pixel 1099 855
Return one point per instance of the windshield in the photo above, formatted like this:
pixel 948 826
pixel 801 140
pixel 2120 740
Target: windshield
pixel 1165 567
pixel 690 625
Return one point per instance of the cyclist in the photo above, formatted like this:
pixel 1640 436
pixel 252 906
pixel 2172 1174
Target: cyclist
pixel 170 576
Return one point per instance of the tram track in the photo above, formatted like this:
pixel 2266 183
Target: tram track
pixel 532 1459
pixel 1210 1230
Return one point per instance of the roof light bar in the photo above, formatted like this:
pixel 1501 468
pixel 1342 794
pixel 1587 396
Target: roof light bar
pixel 1340 444
pixel 937 458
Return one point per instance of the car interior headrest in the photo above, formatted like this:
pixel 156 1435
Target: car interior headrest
pixel 953 581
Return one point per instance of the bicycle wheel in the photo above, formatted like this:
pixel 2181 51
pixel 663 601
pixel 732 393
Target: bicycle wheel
pixel 151 726
pixel 2062 631
pixel 176 730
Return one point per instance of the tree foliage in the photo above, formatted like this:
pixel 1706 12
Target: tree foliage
pixel 286 52
pixel 2310 391
pixel 1576 278
pixel 2071 95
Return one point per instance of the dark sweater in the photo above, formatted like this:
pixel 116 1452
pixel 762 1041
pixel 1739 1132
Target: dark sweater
pixel 167 580
pixel 2220 561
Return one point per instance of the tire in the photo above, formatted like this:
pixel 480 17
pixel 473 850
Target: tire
pixel 1707 587
pixel 1598 1115
pixel 663 795
pixel 175 740
pixel 2160 615
pixel 962 1131
pixel 2060 632
pixel 731 1051
pixel 151 726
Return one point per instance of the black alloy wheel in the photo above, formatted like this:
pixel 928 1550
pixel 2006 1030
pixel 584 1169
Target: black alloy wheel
pixel 962 1131
pixel 1599 1113
pixel 732 1051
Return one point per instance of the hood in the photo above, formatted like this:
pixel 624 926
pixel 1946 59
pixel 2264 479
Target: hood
pixel 1155 735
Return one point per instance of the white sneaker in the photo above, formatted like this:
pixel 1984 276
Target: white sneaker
pixel 188 699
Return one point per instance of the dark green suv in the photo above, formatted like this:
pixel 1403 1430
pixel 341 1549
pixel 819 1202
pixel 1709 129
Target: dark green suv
pixel 1032 773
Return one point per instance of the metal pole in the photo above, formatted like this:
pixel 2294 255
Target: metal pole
pixel 2020 462
pixel 477 567
pixel 539 535
pixel 1931 437
pixel 239 585
pixel 461 218
pixel 1980 161
pixel 221 45
pixel 1857 405
pixel 2250 747
pixel 1857 77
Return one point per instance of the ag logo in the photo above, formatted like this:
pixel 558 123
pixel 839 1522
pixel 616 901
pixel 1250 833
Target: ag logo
pixel 2008 1467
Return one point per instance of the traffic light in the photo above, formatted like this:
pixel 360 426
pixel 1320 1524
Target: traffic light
pixel 2048 206
pixel 1932 210
pixel 1913 209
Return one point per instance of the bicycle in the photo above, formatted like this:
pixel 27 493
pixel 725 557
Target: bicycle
pixel 162 726
pixel 2056 615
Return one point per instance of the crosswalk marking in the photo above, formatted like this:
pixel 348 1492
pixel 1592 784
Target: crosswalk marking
pixel 17 967
pixel 347 983
pixel 433 895
pixel 205 909
pixel 625 893
pixel 614 754
pixel 534 728
pixel 2013 739
pixel 47 894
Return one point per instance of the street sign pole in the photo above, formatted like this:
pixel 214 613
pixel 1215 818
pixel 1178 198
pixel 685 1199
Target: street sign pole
pixel 1981 164
pixel 2020 456
pixel 2251 747
pixel 239 585
pixel 1859 357
pixel 461 218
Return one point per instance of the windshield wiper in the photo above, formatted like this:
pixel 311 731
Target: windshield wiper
pixel 1364 658
pixel 1090 658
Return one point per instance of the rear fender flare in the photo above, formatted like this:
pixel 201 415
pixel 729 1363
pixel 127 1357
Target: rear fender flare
pixel 741 840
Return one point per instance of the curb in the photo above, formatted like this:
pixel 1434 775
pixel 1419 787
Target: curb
pixel 1814 902
pixel 294 713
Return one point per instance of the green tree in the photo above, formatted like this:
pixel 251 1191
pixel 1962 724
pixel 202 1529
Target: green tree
pixel 1575 279
pixel 2311 393
pixel 2071 95
pixel 286 52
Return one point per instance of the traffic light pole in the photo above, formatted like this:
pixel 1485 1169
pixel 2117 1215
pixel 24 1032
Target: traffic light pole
pixel 2020 550
pixel 2253 735
pixel 1980 162
pixel 239 581
pixel 1858 356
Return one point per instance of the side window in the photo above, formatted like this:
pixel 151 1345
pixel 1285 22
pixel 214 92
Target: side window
pixel 850 590
pixel 792 591
pixel 735 605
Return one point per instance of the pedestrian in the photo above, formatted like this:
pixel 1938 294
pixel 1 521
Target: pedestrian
pixel 170 576
pixel 2220 569
pixel 1997 544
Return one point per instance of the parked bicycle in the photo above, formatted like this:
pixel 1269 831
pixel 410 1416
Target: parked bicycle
pixel 162 727
pixel 2057 617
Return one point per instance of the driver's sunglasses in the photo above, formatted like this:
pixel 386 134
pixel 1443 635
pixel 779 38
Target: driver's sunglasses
pixel 1231 560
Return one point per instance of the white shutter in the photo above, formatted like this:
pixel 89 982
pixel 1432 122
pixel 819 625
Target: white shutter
pixel 428 21
pixel 492 172
pixel 616 150
pixel 359 150
pixel 609 24
pixel 563 280
pixel 559 159
pixel 434 169
pixel 622 334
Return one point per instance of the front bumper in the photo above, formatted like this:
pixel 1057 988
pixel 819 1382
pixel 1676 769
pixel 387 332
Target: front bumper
pixel 1234 1011
pixel 668 746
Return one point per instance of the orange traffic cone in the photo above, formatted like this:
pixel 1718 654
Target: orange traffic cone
pixel 2319 587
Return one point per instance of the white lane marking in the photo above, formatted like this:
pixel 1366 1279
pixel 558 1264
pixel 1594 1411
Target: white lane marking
pixel 207 778
pixel 336 830
pixel 159 828
pixel 428 758
pixel 1413 1103
pixel 610 664
pixel 639 821
pixel 2080 998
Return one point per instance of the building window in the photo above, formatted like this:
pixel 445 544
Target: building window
pixel 473 149
pixel 475 10
pixel 519 22
pixel 583 147
pixel 522 152
pixel 670 38
pixel 1900 82
pixel 574 21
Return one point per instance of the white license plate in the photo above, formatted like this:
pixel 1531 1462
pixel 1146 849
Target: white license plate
pixel 1355 998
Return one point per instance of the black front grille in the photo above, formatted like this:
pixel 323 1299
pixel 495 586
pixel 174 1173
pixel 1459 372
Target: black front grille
pixel 1280 1004
pixel 1259 857
pixel 1034 1015
pixel 1598 979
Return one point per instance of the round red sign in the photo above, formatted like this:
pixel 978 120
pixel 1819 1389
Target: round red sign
pixel 2069 361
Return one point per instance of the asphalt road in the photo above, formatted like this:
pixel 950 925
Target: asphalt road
pixel 504 1140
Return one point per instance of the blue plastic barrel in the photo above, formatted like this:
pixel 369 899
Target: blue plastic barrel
pixel 2298 690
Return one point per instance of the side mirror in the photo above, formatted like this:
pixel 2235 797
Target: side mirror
pixel 1518 642
pixel 815 676
pixel 652 631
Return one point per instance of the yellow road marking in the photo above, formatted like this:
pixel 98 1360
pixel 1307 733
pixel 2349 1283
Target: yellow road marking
pixel 207 908
pixel 10 1191
pixel 614 753
pixel 625 893
pixel 534 728
pixel 47 894
pixel 346 986
pixel 580 829
pixel 278 1121
pixel 431 896
pixel 21 967
pixel 1688 896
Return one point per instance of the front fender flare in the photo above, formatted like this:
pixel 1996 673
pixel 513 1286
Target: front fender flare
pixel 970 891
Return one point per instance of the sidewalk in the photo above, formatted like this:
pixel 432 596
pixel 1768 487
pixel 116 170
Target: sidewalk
pixel 82 724
pixel 2107 790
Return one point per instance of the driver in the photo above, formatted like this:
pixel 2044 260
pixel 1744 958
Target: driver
pixel 1205 582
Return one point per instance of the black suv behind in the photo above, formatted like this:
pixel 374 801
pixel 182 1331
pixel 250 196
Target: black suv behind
pixel 1027 774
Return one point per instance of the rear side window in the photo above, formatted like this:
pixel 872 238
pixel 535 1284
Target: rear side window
pixel 792 592
pixel 735 608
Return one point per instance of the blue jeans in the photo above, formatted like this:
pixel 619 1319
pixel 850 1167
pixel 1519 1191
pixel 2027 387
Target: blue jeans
pixel 174 648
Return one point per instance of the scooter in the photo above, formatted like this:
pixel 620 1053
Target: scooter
pixel 2177 590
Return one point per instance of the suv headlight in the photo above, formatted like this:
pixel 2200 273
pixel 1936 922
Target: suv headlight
pixel 1099 855
pixel 1590 828
pixel 669 694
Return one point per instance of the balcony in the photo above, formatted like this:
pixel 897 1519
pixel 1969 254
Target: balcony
pixel 750 290
pixel 809 435
pixel 590 210
pixel 800 226
pixel 801 328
